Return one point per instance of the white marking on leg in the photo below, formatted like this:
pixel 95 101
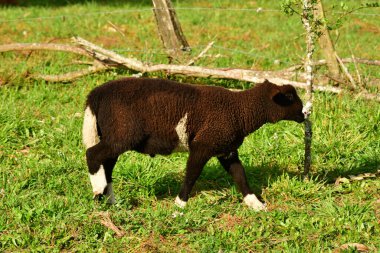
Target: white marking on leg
pixel 110 195
pixel 89 131
pixel 183 143
pixel 252 201
pixel 180 203
pixel 98 181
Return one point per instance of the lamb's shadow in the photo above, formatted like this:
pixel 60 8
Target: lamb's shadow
pixel 214 177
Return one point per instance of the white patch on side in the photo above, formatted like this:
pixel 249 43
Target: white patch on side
pixel 183 143
pixel 98 181
pixel 89 131
pixel 180 203
pixel 110 195
pixel 252 201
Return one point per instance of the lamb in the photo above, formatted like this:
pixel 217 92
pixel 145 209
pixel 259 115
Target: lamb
pixel 156 116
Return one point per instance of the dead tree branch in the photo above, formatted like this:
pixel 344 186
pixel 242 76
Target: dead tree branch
pixel 67 77
pixel 107 59
pixel 344 60
pixel 41 46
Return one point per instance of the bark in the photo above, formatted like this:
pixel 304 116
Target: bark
pixel 169 28
pixel 326 44
pixel 306 17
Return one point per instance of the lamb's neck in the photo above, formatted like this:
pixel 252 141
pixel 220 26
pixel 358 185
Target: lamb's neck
pixel 253 112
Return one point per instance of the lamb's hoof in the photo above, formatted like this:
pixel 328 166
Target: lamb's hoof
pixel 180 203
pixel 101 197
pixel 98 197
pixel 252 202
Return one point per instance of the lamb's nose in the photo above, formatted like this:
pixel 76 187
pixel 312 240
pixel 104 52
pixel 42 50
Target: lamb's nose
pixel 306 110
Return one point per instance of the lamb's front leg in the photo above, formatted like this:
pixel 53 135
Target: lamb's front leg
pixel 100 168
pixel 194 168
pixel 232 165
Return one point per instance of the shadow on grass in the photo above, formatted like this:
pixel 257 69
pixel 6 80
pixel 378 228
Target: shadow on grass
pixel 216 178
pixel 371 165
pixel 58 3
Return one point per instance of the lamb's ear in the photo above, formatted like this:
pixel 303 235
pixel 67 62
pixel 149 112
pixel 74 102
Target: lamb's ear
pixel 283 99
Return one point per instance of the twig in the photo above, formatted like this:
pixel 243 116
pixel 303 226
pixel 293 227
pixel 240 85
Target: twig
pixel 345 70
pixel 368 96
pixel 362 61
pixel 107 222
pixel 357 71
pixel 71 75
pixel 344 60
pixel 116 28
pixel 338 80
pixel 204 51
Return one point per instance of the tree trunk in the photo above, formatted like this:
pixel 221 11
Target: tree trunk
pixel 326 44
pixel 310 35
pixel 169 29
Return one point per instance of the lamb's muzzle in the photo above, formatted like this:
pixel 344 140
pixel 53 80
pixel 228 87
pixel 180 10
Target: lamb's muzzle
pixel 155 116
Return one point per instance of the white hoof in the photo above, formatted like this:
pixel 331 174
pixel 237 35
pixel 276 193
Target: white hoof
pixel 98 181
pixel 252 201
pixel 180 203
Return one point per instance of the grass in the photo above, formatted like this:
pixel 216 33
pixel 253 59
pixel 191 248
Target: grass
pixel 45 196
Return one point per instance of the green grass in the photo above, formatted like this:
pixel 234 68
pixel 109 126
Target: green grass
pixel 45 195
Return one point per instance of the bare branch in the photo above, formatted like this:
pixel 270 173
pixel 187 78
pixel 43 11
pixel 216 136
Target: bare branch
pixel 105 219
pixel 344 60
pixel 42 46
pixel 105 59
pixel 71 75
pixel 345 70
pixel 192 61
pixel 362 61
pixel 103 54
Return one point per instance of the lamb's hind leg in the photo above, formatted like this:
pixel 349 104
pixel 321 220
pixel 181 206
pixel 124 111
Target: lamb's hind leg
pixel 100 164
pixel 233 166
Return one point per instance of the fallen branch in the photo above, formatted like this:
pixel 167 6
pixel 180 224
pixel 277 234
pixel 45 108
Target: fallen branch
pixel 109 59
pixel 278 77
pixel 41 46
pixel 71 75
pixel 344 60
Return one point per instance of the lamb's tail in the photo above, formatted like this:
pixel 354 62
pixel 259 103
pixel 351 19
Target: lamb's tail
pixel 90 132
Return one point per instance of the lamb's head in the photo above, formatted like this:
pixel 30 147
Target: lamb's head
pixel 284 103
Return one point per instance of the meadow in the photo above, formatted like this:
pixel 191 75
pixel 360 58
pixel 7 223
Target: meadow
pixel 46 200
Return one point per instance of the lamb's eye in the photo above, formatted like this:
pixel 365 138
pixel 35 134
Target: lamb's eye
pixel 289 96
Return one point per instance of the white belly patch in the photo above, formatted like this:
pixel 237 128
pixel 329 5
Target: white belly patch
pixel 183 138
